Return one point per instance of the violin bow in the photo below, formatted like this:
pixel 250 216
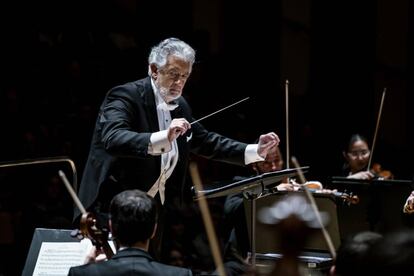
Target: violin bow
pixel 205 212
pixel 72 192
pixel 287 122
pixel 312 202
pixel 376 129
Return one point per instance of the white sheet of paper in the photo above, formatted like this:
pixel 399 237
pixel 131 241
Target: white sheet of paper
pixel 55 258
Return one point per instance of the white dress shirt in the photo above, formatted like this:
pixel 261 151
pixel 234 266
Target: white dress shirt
pixel 159 144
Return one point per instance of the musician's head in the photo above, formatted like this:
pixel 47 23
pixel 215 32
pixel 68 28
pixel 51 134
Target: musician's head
pixel 392 255
pixel 133 217
pixel 353 253
pixel 357 153
pixel 273 162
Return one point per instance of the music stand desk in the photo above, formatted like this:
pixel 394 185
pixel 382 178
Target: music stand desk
pixel 379 208
pixel 259 182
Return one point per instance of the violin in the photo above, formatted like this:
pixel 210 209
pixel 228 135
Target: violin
pixel 99 237
pixel 347 198
pixel 316 187
pixel 380 173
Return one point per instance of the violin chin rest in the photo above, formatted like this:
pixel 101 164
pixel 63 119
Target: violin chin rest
pixel 316 185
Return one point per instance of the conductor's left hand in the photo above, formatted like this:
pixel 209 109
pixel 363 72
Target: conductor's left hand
pixel 266 142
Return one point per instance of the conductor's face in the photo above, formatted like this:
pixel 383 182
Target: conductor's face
pixel 171 78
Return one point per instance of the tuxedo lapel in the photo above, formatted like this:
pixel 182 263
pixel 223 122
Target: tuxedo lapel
pixel 148 98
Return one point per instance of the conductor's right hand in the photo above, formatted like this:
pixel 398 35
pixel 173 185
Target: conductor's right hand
pixel 178 127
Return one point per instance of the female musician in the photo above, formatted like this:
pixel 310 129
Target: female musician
pixel 357 154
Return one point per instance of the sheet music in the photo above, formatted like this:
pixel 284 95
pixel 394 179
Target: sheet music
pixel 55 258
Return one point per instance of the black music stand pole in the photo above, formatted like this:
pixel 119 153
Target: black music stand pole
pixel 253 223
pixel 252 199
pixel 253 196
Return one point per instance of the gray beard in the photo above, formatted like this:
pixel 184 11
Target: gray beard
pixel 164 94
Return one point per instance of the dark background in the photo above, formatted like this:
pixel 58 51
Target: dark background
pixel 59 58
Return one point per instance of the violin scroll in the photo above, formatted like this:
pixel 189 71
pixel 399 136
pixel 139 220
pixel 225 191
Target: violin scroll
pixel 99 237
pixel 349 198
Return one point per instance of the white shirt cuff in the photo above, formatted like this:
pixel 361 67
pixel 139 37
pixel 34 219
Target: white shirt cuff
pixel 159 143
pixel 250 154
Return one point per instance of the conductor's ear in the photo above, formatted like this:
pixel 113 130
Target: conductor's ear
pixel 154 71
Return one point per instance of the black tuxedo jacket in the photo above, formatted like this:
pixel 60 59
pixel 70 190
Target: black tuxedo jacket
pixel 118 157
pixel 131 261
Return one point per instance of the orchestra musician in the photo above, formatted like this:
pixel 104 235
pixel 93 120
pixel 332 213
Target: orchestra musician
pixel 238 244
pixel 357 156
pixel 133 223
pixel 353 254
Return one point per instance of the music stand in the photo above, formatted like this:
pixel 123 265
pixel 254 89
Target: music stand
pixel 44 235
pixel 315 255
pixel 268 242
pixel 252 188
pixel 380 206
